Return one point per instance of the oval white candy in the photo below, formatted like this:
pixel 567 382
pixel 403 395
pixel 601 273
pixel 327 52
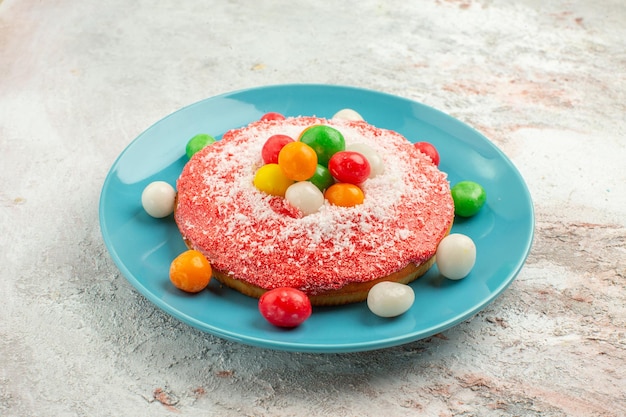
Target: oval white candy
pixel 158 199
pixel 377 166
pixel 456 256
pixel 390 299
pixel 305 196
pixel 348 114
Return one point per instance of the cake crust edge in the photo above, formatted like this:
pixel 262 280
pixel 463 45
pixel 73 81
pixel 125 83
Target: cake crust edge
pixel 350 293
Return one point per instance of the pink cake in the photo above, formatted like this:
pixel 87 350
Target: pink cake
pixel 256 242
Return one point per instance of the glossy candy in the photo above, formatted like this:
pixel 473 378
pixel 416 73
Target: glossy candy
pixel 348 114
pixel 344 195
pixel 456 256
pixel 272 148
pixel 430 151
pixel 325 140
pixel 377 167
pixel 469 197
pixel 285 307
pixel 305 196
pixel 322 178
pixel 198 142
pixel 190 271
pixel 298 161
pixel 272 116
pixel 158 199
pixel 390 299
pixel 348 166
pixel 271 180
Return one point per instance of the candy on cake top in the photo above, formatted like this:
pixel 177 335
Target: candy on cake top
pixel 248 233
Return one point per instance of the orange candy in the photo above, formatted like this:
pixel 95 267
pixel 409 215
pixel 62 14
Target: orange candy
pixel 344 195
pixel 190 271
pixel 298 161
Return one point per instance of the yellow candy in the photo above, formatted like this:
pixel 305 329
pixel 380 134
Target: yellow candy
pixel 271 180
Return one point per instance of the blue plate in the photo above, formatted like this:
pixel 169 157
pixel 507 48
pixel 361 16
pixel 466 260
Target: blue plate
pixel 143 247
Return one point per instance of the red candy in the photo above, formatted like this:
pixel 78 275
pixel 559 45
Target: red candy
pixel 285 307
pixel 272 116
pixel 272 148
pixel 349 167
pixel 429 150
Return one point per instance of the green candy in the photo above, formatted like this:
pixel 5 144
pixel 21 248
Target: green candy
pixel 198 142
pixel 469 197
pixel 325 140
pixel 322 178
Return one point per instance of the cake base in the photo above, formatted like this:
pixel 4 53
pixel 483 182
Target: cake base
pixel 351 293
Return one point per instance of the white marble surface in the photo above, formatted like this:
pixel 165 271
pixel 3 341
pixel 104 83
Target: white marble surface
pixel 545 81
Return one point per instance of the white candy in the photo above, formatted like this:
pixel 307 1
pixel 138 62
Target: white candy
pixel 158 199
pixel 456 256
pixel 305 196
pixel 390 299
pixel 348 114
pixel 376 162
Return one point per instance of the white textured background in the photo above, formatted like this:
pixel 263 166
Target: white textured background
pixel 545 81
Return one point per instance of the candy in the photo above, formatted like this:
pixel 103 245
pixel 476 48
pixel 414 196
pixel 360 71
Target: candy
pixel 158 199
pixel 390 299
pixel 305 196
pixel 298 161
pixel 190 271
pixel 198 142
pixel 348 114
pixel 272 116
pixel 456 256
pixel 272 148
pixel 469 197
pixel 429 150
pixel 344 195
pixel 285 307
pixel 310 166
pixel 271 180
pixel 377 167
pixel 348 166
pixel 322 178
pixel 325 140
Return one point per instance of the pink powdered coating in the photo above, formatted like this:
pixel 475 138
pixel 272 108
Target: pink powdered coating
pixel 263 240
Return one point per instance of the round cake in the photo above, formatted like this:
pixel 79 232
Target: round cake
pixel 256 242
